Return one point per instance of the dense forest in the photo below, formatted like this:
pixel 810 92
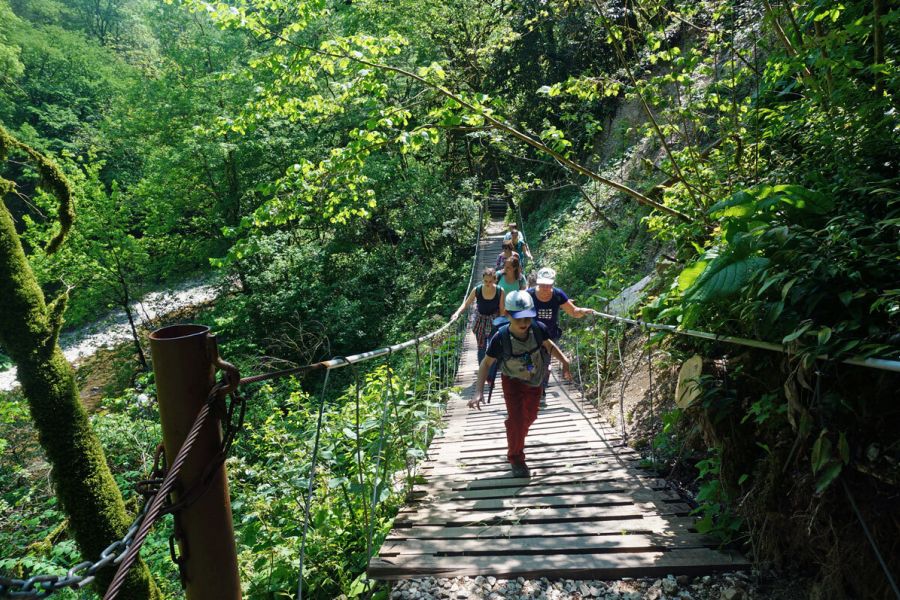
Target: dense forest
pixel 325 162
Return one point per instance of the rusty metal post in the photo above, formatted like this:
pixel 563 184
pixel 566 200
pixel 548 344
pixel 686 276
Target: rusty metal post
pixel 183 365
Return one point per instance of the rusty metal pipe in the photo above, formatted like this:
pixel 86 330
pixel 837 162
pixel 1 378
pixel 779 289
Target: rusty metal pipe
pixel 184 359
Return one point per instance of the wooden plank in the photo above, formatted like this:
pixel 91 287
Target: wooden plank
pixel 544 443
pixel 571 566
pixel 644 502
pixel 634 525
pixel 589 469
pixel 534 440
pixel 557 500
pixel 594 544
pixel 536 453
pixel 537 515
pixel 496 478
pixel 449 492
pixel 537 467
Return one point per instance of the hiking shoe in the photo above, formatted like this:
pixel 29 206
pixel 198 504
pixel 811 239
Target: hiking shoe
pixel 520 470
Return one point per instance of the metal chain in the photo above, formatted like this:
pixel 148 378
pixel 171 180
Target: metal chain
pixel 79 576
pixel 84 573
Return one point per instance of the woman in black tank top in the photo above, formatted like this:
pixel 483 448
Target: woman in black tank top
pixel 488 309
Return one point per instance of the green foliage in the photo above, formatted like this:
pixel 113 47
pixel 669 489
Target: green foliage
pixel 716 517
pixel 272 474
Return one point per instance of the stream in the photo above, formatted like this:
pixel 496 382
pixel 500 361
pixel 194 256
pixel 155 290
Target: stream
pixel 113 329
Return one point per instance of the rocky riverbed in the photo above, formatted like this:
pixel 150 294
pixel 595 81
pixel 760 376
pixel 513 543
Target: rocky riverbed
pixel 113 329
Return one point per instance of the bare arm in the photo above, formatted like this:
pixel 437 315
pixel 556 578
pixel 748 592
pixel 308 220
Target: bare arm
pixel 483 369
pixel 573 311
pixel 554 350
pixel 465 305
pixel 502 301
pixel 527 250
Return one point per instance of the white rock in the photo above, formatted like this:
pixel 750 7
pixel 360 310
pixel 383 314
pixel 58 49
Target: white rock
pixel 669 585
pixel 732 593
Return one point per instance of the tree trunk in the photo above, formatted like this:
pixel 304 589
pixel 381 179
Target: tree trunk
pixel 84 485
pixel 126 306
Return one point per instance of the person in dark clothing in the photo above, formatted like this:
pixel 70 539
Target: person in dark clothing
pixel 522 348
pixel 548 300
pixel 488 297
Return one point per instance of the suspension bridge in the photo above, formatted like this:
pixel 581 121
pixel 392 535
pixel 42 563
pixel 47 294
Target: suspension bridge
pixel 587 511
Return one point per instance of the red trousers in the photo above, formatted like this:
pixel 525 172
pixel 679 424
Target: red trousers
pixel 522 402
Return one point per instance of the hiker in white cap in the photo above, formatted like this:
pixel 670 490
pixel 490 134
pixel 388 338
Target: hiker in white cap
pixel 523 348
pixel 548 299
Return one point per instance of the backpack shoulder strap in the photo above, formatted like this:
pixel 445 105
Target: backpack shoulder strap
pixel 539 336
pixel 507 343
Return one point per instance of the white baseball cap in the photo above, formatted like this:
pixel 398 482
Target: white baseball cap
pixel 519 305
pixel 546 276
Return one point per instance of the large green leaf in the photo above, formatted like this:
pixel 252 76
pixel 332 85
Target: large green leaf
pixel 739 204
pixel 724 276
pixel 759 199
pixel 689 275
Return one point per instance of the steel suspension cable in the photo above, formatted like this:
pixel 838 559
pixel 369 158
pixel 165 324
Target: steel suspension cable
pixel 359 462
pixel 384 414
pixel 859 361
pixel 622 390
pixel 415 391
pixel 312 484
pixel 650 397
pixel 430 381
pixel 597 367
pixel 157 504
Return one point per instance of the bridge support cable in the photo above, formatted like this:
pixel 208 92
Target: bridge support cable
pixel 312 482
pixel 648 327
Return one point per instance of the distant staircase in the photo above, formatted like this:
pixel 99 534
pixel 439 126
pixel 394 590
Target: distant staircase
pixel 497 203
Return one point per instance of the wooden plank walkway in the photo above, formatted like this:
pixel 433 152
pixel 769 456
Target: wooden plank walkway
pixel 587 511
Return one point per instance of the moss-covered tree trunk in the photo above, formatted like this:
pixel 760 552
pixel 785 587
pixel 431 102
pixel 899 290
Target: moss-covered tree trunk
pixel 28 333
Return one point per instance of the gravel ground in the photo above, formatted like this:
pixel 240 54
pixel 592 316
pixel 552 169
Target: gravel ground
pixel 728 586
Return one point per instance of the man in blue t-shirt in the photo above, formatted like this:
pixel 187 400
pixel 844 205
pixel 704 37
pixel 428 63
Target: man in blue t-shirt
pixel 547 302
pixel 521 348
